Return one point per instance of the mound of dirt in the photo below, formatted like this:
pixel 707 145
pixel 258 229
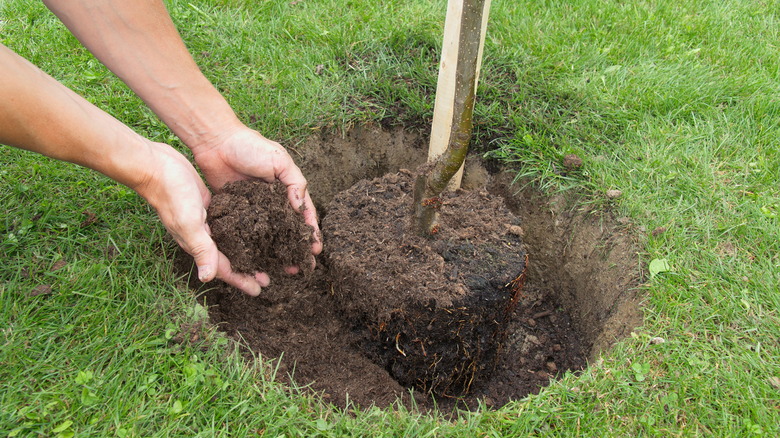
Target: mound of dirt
pixel 431 311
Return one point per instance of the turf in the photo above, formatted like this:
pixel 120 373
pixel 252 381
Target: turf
pixel 675 104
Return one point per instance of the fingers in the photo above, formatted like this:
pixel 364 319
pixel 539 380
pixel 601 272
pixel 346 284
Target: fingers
pixel 203 249
pixel 180 197
pixel 212 263
pixel 310 216
pixel 301 202
pixel 245 154
pixel 298 194
pixel 300 199
pixel 263 279
pixel 249 284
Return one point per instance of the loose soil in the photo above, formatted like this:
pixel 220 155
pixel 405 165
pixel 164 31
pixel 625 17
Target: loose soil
pixel 257 229
pixel 577 298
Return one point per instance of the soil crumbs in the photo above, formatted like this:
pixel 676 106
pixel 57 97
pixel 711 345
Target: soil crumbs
pixel 257 228
pixel 298 321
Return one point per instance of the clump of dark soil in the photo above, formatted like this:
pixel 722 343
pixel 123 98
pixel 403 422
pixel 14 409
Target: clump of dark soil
pixel 577 299
pixel 431 311
pixel 255 226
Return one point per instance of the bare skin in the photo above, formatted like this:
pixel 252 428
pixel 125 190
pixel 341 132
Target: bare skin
pixel 138 42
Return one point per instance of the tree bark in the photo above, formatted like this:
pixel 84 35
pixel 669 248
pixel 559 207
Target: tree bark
pixel 431 184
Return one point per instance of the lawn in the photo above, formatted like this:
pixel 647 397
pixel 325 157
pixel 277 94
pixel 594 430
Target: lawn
pixel 675 104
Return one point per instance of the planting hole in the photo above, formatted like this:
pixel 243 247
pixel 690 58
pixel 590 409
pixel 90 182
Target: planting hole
pixel 340 333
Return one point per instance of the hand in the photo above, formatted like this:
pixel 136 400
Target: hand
pixel 242 153
pixel 180 197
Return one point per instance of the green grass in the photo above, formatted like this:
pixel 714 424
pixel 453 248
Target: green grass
pixel 673 103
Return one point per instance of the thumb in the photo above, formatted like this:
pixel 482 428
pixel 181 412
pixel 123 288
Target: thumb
pixel 203 249
pixel 212 264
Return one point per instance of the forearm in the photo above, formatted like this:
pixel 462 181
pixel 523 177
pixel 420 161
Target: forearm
pixel 139 43
pixel 38 113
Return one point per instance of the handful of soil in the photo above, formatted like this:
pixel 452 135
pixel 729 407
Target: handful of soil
pixel 255 226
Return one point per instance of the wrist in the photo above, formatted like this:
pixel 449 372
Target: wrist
pixel 157 176
pixel 132 161
pixel 199 118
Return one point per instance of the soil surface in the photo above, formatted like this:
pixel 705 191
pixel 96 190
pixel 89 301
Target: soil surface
pixel 576 301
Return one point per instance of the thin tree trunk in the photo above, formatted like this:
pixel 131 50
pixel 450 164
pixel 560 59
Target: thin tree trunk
pixel 430 185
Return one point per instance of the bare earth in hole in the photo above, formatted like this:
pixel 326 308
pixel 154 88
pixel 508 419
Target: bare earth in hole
pixel 578 297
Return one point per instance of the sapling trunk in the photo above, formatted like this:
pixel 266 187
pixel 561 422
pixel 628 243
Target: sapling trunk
pixel 432 183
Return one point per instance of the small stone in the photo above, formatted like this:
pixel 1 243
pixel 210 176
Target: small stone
pixel 614 194
pixel 531 322
pixel 551 367
pixel 657 340
pixel 557 347
pixel 532 339
pixel 516 230
pixel 572 161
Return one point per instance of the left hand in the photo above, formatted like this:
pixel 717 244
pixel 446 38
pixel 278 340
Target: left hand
pixel 180 197
pixel 243 153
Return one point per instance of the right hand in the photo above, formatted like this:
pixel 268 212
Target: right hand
pixel 242 153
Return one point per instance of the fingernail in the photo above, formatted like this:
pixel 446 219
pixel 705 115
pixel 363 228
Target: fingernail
pixel 205 273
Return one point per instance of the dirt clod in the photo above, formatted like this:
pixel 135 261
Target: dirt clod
pixel 517 230
pixel 42 289
pixel 572 161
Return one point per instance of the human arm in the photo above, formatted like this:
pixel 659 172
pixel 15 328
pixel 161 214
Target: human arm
pixel 38 113
pixel 138 41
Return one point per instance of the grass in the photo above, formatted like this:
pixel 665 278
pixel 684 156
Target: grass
pixel 673 103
